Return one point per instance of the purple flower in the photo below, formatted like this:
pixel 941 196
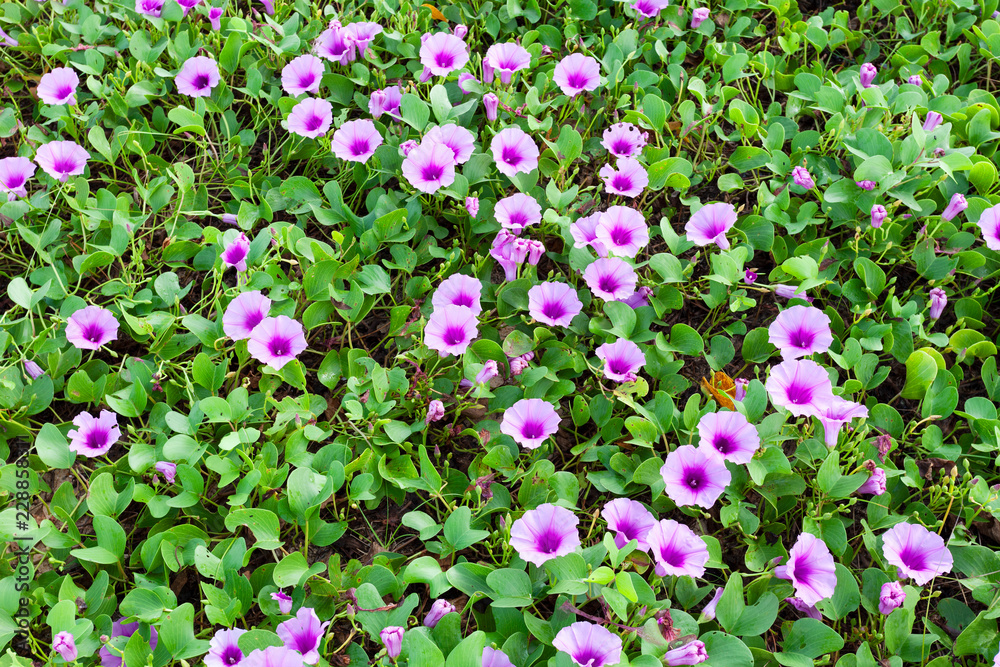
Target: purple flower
pixel 356 140
pixel 215 16
pixel 58 86
pixel 890 597
pixel 741 389
pixel 649 8
pixel 439 610
pixel 14 174
pixel 622 360
pixel 435 411
pixel 800 331
pixel 584 232
pixel 244 313
pixel 628 180
pixel 460 31
pixel 915 80
pixel 800 386
pixel 7 39
pixel 235 253
pixel 472 206
pixel 710 223
pixel 530 422
pixel 810 568
pixel 273 656
pixel 149 7
pixel 544 533
pixel 303 633
pixel 879 214
pixel 576 73
pixel 789 292
pixel 463 79
pixel 230 218
pixel 610 278
pixel 629 520
pixel 363 34
pixel 442 53
pixel 676 550
pixel 457 138
pixel 695 476
pixel 459 290
pixel 91 327
pixel 932 121
pixel 494 657
pixel 276 341
pixel 589 644
pixel 624 140
pixel 336 44
pixel 198 76
pixel 692 653
pixel 801 177
pixel 875 485
pixel 451 329
pixel 866 185
pixel 749 277
pixel 517 212
pixel 868 74
pixel 836 412
pixel 268 7
pixel 65 645
pixel 503 251
pixel 408 147
pixel 708 613
pixel 284 601
pixel 188 5
pixel 622 231
pixel 639 298
pixel 385 101
pixel 514 152
pixel 507 59
pixel 939 299
pixel 884 444
pixel 302 75
pixel 955 206
pixel 489 372
pixel 33 370
pixel 224 649
pixel 809 610
pixel 989 225
pixel 699 16
pixel 430 167
pixel 167 469
pixel 491 102
pixel 730 435
pixel 119 629
pixel 916 552
pixel 62 159
pixel 553 303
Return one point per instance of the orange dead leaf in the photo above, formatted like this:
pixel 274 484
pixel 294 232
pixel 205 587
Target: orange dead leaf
pixel 722 389
pixel 435 12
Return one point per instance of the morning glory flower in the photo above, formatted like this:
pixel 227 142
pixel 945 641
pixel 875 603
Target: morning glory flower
pixel 544 533
pixel 223 649
pixel 932 120
pixel 244 313
pixel 284 601
pixel 62 159
pixel 890 597
pixel 989 225
pixel 119 629
pixel 302 75
pixel 695 476
pixel 622 360
pixel 628 179
pixel 459 290
pixel 916 552
pixel 589 644
pixel 517 212
pixel 392 638
pixel 494 657
pixel 94 436
pixel 800 331
pixel 491 103
pixel 624 140
pixel 710 223
pixel 33 370
pixel 363 33
pixel 303 633
pixel 276 341
pixel 457 138
pixel 692 653
pixel 439 610
pixel 955 206
pixel 65 645
pixel 621 231
pixel 576 73
pixel 867 75
pixel 14 174
pixel 236 252
pixel 699 16
pixel 198 76
pixel 450 330
pixel 335 44
pixel 939 299
pixel 875 485
pixel 554 303
pixel 514 152
pixel 356 140
pixel 385 101
pixel 878 215
pixel 649 9
pixel 508 59
pixel 729 435
pixel 584 233
pixel 676 550
pixel 430 167
pixel 91 327
pixel 802 178
pixel 215 17
pixel 472 206
pixel 810 568
pixel 442 53
pixel 273 656
pixel 168 469
pixel 530 422
pixel 610 278
pixel 58 86
pixel 836 412
pixel 800 386
pixel 149 7
pixel 629 520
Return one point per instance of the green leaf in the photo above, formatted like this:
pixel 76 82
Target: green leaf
pixel 469 652
pixel 812 638
pixel 421 649
pixel 746 158
pixel 52 448
pixel 177 633
pixel 921 369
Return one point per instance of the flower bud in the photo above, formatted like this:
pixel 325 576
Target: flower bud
pixel 392 637
pixel 879 215
pixel 438 610
pixel 491 102
pixel 868 74
pixel 939 299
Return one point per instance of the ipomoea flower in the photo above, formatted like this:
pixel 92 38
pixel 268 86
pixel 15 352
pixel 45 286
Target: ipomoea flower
pixel 554 303
pixel 430 167
pixel 695 476
pixel 810 568
pixel 890 597
pixel 939 299
pixel 628 520
pixel 494 657
pixel 363 33
pixel 622 360
pixel 284 601
pixel 517 212
pixel 244 313
pixel 356 140
pixel 508 59
pixel 916 552
pixel 303 633
pixel 94 436
pixel 589 644
pixel 58 86
pixel 584 233
pixel 385 101
pixel 800 386
pixel 273 656
pixel 236 251
pixel 168 469
pixel 802 178
pixel 866 185
pixel 442 53
pixel 450 329
pixel 624 140
pixel 198 76
pixel 14 174
pixel 989 225
pixel 576 73
pixel 215 17
pixel 710 223
pixel 836 412
pixel 392 638
pixel 809 610
pixel 800 331
pixel 472 206
pixel 932 120
pixel 676 550
pixel 335 44
pixel 699 16
pixel 33 370
pixel 730 435
pixel 438 610
pixel 867 75
pixel 544 533
pixel 65 645
pixel 530 422
pixel 875 485
pixel 955 206
pixel 91 327
pixel 629 179
pixel 514 152
pixel 649 9
pixel 708 612
pixel 622 231
pixel 224 649
pixel 302 75
pixel 878 215
pixel 491 103
pixel 610 278
pixel 459 290
pixel 276 341
pixel 692 653
pixel 62 159
pixel 149 7
pixel 119 629
pixel 457 138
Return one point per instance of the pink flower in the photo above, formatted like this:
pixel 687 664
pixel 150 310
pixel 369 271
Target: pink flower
pixel 576 73
pixel 508 59
pixel 695 476
pixel 356 140
pixel 710 223
pixel 198 76
pixel 442 53
pixel 58 86
pixel 514 152
pixel 629 179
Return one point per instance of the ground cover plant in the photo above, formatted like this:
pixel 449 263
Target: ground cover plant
pixel 499 333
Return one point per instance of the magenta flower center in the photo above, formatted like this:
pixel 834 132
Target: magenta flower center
pixel 314 123
pixel 549 542
pixel 463 300
pixel 359 147
pixel 306 80
pixel 518 219
pixel 553 310
pixel 577 80
pixel 802 338
pixel 724 445
pixel 280 347
pixel 201 81
pixel 607 284
pixel 454 335
pixel 799 395
pixel 97 438
pixel 510 155
pixel 621 182
pixel 432 172
pixel 65 92
pixel 695 479
pixel 532 430
pixel 444 59
pixel 231 655
pixel 671 557
pixel 621 236
pixel 15 181
pixel 91 332
pixel 618 366
pixel 621 147
pixel 913 559
pixel 64 166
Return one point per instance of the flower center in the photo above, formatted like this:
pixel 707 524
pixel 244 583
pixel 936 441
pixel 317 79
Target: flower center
pixel 802 338
pixel 232 655
pixel 454 335
pixel 510 155
pixel 532 430
pixel 280 347
pixel 549 542
pixel 314 123
pixel 913 559
pixel 621 182
pixel 431 172
pixel 64 166
pixel 444 59
pixel 201 81
pixel 577 80
pixel 553 311
pixel 65 92
pixel 359 147
pixel 92 333
pixel 622 147
pixel 97 438
pixel 799 395
pixel 694 479
pixel 607 284
pixel 307 80
pixel 621 236
pixel 463 300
